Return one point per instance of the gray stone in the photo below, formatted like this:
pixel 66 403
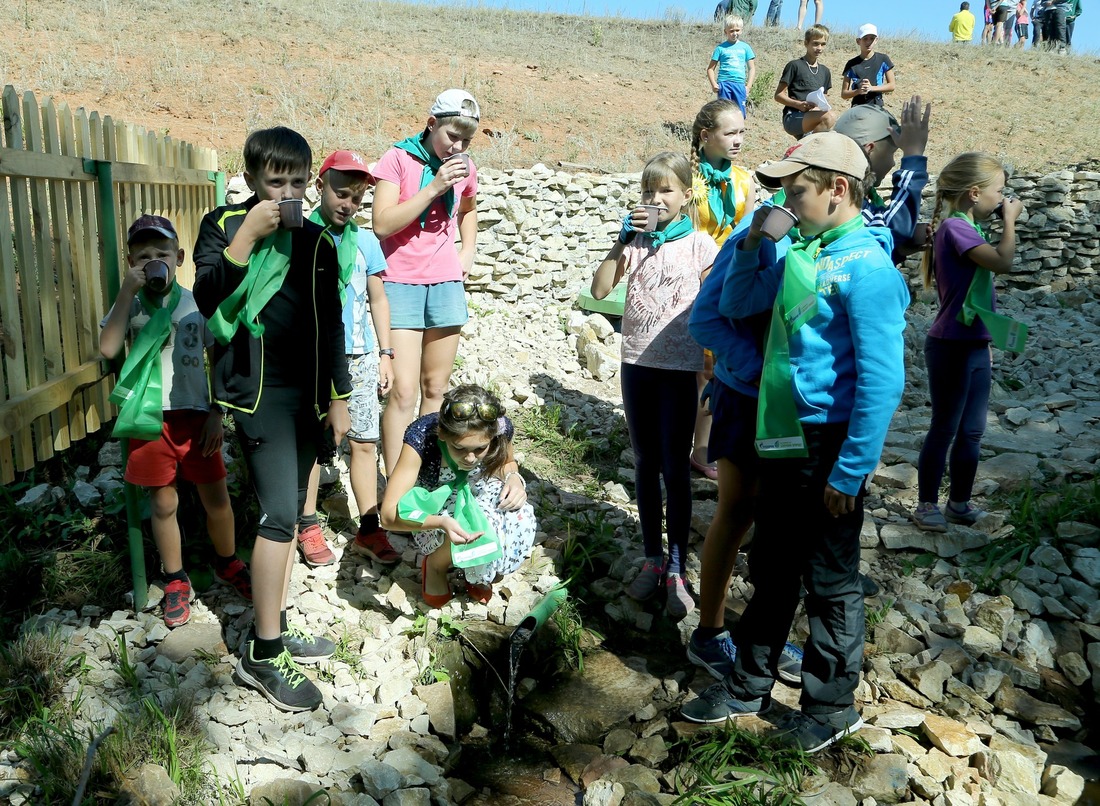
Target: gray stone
pixel 1021 705
pixel 1050 558
pixel 1062 784
pixel 1011 471
pixel 1013 772
pixel 928 678
pixel 40 497
pixel 650 751
pixel 86 495
pixel 110 455
pixel 953 738
pixel 150 785
pixel 441 708
pixel 191 639
pixel 285 792
pixel 995 615
pixel 353 720
pixel 1086 563
pixel 618 741
pixel 980 641
pixel 380 779
pixel 604 793
pixel 893 641
pixel 882 777
pixel 898 536
pixel 414 796
pixel 899 477
pixel 831 793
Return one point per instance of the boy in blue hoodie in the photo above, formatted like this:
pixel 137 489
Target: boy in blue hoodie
pixel 832 377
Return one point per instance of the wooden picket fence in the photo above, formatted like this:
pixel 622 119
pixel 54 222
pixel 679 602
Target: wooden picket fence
pixel 70 185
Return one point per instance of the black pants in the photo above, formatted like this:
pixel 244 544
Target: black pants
pixel 280 441
pixel 1054 27
pixel 798 543
pixel 660 406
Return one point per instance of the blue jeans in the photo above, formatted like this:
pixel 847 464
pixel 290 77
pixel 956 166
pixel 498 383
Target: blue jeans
pixel 959 378
pixel 660 406
pixel 772 17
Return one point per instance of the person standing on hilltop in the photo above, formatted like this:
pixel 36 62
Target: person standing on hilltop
pixel 425 198
pixel 870 75
pixel 735 8
pixel 732 67
pixel 771 18
pixel 819 12
pixel 962 25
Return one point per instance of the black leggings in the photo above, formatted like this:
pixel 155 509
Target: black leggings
pixel 280 442
pixel 660 406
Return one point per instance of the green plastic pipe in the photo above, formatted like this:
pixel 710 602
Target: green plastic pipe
pixel 544 609
pixel 108 234
pixel 218 177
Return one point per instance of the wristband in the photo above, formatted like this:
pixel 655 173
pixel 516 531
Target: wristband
pixel 515 473
pixel 627 233
pixel 388 351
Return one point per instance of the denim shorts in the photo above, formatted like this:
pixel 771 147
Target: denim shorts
pixel 423 307
pixel 792 124
pixel 363 404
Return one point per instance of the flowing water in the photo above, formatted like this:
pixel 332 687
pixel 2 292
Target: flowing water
pixel 516 645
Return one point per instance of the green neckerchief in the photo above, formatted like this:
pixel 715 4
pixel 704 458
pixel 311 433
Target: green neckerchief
pixel 778 429
pixel 267 268
pixel 139 391
pixel 674 231
pixel 347 251
pixel 723 206
pixel 876 197
pixel 415 146
pixel 1007 333
pixel 418 503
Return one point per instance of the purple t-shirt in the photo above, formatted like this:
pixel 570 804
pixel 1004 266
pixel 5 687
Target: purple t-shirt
pixel 954 239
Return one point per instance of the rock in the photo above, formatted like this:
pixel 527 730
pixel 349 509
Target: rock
pixel 191 639
pixel 929 678
pixel 899 477
pixel 618 741
pixel 40 497
pixel 286 792
pixel 882 777
pixel 572 714
pixel 650 751
pixel 414 796
pixel 1086 563
pixel 441 708
pixel 150 785
pixel 995 615
pixel 1011 471
pixel 891 640
pixel 636 777
pixel 1062 784
pixel 110 455
pixel 979 641
pixel 953 738
pixel 412 765
pixel 1021 705
pixel 86 495
pixel 574 757
pixel 604 793
pixel 831 793
pixel 1012 772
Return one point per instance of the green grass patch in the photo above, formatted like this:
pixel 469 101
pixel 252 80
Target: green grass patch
pixel 33 672
pixel 573 639
pixel 734 767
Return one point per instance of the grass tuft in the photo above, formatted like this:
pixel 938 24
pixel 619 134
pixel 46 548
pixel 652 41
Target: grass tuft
pixel 33 672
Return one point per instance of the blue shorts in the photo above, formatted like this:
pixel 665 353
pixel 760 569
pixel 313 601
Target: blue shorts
pixel 423 307
pixel 733 427
pixel 734 91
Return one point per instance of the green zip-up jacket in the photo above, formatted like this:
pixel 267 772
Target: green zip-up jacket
pixel 303 340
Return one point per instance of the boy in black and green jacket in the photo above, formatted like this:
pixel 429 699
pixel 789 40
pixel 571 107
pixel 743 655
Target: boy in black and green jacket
pixel 270 294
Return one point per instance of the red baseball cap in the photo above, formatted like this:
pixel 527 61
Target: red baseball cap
pixel 348 161
pixel 151 225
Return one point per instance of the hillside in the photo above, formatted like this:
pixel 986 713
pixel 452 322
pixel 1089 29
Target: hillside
pixel 592 91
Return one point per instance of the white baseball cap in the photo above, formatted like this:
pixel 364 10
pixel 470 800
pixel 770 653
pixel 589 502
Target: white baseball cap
pixel 867 29
pixel 455 103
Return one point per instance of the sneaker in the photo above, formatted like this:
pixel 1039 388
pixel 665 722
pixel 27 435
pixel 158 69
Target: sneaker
pixel 177 602
pixel 236 576
pixel 376 546
pixel 928 518
pixel 679 602
pixel 646 583
pixel 280 680
pixel 967 516
pixel 315 550
pixel 869 586
pixel 716 704
pixel 789 667
pixel 814 732
pixel 305 648
pixel 717 655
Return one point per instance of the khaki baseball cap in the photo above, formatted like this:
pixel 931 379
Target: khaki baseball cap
pixel 830 151
pixel 868 124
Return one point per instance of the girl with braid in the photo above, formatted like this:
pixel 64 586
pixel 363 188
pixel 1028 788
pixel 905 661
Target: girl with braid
pixel 961 261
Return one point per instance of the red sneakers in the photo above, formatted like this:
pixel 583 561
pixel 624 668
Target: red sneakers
pixel 177 603
pixel 236 575
pixel 314 547
pixel 375 545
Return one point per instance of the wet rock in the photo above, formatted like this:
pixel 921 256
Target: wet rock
pixel 601 767
pixel 574 757
pixel 618 741
pixel 572 714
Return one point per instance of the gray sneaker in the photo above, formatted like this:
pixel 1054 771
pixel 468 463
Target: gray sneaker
pixel 648 580
pixel 306 648
pixel 967 516
pixel 280 680
pixel 717 704
pixel 679 602
pixel 928 518
pixel 815 732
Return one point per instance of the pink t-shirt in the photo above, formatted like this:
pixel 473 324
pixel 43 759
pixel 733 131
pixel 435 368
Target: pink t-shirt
pixel 661 288
pixel 421 255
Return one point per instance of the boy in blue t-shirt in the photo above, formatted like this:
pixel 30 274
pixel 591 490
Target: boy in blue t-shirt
pixel 832 377
pixel 732 67
pixel 342 181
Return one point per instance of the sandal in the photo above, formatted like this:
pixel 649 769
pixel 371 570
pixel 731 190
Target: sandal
pixel 479 593
pixel 710 471
pixel 433 600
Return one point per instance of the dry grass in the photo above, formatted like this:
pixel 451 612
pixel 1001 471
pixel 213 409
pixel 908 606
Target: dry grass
pixel 597 91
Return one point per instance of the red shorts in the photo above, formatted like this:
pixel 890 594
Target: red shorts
pixel 154 464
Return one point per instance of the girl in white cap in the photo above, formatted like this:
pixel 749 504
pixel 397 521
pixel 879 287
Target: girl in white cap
pixel 424 202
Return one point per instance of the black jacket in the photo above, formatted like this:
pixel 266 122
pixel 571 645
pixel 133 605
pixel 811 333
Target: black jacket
pixel 303 340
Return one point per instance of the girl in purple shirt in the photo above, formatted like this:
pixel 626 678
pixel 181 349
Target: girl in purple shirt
pixel 969 190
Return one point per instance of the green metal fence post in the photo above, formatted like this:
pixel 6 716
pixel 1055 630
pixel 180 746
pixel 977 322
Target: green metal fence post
pixel 108 231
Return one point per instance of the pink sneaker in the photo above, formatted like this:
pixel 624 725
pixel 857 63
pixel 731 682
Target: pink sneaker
pixel 314 547
pixel 375 545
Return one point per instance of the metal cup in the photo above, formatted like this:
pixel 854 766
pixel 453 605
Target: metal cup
pixel 290 213
pixel 652 211
pixel 778 223
pixel 156 276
